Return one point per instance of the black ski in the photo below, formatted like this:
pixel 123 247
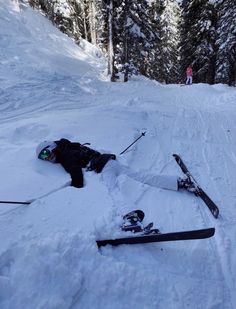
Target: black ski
pixel 198 190
pixel 149 238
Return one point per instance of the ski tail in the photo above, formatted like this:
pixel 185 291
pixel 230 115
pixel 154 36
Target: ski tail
pixel 174 236
pixel 208 201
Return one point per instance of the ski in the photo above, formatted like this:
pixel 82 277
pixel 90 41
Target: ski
pixel 198 190
pixel 158 237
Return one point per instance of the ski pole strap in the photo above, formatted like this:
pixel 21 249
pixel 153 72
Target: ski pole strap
pixel 142 134
pixel 14 202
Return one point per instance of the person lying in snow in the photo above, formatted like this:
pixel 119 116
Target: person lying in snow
pixel 75 157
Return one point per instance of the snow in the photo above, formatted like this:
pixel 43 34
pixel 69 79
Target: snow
pixel 51 88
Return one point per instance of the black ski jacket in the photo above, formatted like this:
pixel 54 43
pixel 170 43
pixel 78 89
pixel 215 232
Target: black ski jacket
pixel 74 156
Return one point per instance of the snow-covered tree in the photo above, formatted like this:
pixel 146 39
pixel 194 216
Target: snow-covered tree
pixel 128 33
pixel 226 43
pixel 107 33
pixel 152 37
pixel 169 41
pixel 137 36
pixel 153 61
pixel 65 14
pixel 111 40
pixel 198 35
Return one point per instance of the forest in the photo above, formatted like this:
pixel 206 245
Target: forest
pixel 156 38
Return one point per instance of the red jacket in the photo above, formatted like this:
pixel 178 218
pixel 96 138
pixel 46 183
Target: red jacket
pixel 189 71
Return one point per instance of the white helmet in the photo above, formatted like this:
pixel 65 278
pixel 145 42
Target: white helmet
pixel 50 145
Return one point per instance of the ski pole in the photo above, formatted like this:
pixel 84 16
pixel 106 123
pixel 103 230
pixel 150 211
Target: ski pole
pixel 31 201
pixel 142 134
pixel 14 202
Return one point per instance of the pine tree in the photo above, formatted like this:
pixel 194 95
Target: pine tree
pixel 102 10
pixel 137 36
pixel 142 36
pixel 65 14
pixel 170 41
pixel 126 31
pixel 226 43
pixel 154 60
pixel 198 39
pixel 91 20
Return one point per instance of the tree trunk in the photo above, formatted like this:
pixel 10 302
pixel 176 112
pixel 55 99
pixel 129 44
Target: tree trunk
pixel 111 69
pixel 92 22
pixel 126 47
pixel 83 4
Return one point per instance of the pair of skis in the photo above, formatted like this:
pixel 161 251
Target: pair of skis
pixel 149 235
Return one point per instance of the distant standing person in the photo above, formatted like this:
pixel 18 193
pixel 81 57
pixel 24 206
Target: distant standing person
pixel 189 74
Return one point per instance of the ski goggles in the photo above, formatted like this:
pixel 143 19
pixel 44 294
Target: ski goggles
pixel 46 152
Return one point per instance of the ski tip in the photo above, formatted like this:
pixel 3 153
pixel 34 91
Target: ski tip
pixel 176 156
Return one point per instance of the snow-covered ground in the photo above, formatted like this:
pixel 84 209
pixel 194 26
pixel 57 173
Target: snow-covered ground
pixel 51 88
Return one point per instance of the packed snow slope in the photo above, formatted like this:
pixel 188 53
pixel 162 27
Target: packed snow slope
pixel 51 88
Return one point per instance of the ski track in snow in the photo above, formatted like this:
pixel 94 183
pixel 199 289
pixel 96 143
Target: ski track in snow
pixel 199 129
pixel 48 256
pixel 156 160
pixel 202 128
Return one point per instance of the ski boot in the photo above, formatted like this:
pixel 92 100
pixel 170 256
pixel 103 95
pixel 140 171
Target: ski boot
pixel 132 221
pixel 187 184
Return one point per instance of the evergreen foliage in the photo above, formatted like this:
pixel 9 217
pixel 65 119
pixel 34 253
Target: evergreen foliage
pixel 153 61
pixel 65 14
pixel 169 41
pixel 197 36
pixel 156 38
pixel 136 36
pixel 226 43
